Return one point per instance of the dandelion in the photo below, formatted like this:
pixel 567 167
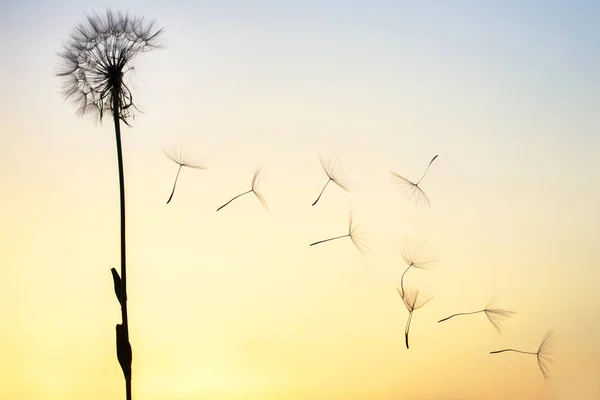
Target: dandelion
pixel 414 259
pixel 543 353
pixel 182 161
pixel 413 188
pixel 96 59
pixel 495 315
pixel 254 189
pixel 413 300
pixel 352 234
pixel 331 175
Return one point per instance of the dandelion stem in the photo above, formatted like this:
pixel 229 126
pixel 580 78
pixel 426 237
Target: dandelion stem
pixel 322 190
pixel 239 195
pixel 115 106
pixel 174 184
pixel 465 313
pixel 402 280
pixel 428 165
pixel 407 328
pixel 517 351
pixel 327 240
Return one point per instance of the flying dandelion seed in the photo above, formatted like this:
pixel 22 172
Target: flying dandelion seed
pixel 414 258
pixel 183 161
pixel 413 300
pixel 332 177
pixel 412 188
pixel 543 353
pixel 494 315
pixel 254 189
pixel 352 234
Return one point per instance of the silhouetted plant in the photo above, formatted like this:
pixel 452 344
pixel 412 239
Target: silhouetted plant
pixel 123 351
pixel 182 161
pixel 95 60
pixel 413 188
pixel 495 315
pixel 253 189
pixel 543 353
pixel 331 175
pixel 413 300
pixel 352 234
pixel 117 284
pixel 414 259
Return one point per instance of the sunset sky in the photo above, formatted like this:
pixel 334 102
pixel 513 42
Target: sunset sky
pixel 235 304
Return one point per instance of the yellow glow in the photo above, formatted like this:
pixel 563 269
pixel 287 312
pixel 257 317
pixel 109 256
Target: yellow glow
pixel 235 304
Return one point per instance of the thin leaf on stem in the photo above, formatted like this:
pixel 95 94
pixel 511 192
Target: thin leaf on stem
pixel 356 238
pixel 183 161
pixel 330 170
pixel 117 285
pixel 413 188
pixel 494 315
pixel 253 189
pixel 543 353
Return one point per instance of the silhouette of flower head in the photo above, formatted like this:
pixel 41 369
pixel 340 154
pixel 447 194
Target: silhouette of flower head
pixel 96 58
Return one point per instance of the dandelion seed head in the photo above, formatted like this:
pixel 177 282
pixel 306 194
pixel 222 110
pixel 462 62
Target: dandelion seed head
pixel 414 299
pixel 417 257
pixel 330 170
pixel 544 352
pixel 261 198
pixel 547 343
pixel 182 159
pixel 255 177
pixel 412 189
pixel 359 243
pixel 357 238
pixel 96 57
pixel 496 315
pixel 255 182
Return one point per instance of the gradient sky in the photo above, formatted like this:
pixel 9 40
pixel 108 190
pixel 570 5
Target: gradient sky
pixel 235 304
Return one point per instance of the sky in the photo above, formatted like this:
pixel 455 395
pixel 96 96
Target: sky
pixel 235 304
